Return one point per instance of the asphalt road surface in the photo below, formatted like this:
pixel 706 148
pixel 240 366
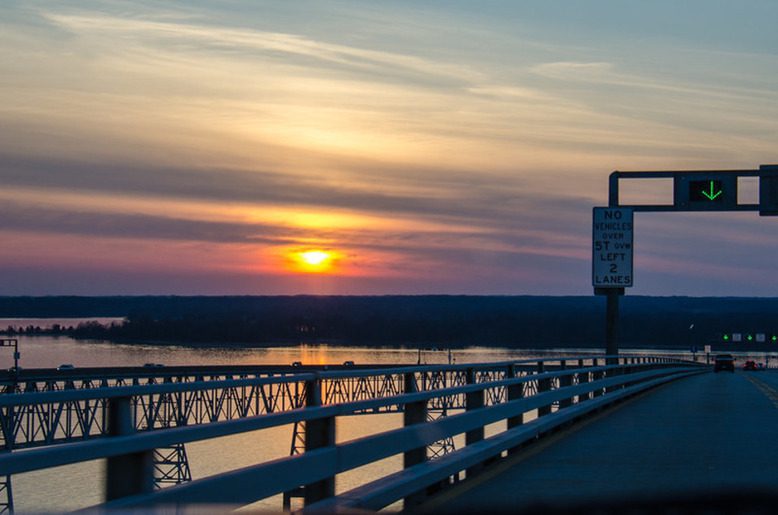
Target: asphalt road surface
pixel 706 435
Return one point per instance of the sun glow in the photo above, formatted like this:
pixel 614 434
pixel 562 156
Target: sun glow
pixel 313 260
pixel 314 257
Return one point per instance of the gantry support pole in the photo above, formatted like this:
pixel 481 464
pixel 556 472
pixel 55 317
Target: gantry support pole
pixel 612 294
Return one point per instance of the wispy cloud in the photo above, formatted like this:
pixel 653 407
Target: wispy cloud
pixel 570 70
pixel 607 73
pixel 222 39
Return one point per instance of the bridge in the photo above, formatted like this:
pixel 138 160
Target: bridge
pixel 141 419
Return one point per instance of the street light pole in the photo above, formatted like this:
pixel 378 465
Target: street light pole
pixel 12 342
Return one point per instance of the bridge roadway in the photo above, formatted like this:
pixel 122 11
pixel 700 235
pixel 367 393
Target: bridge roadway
pixel 706 435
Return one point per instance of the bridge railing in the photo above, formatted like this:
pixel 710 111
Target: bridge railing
pixel 41 418
pixel 555 390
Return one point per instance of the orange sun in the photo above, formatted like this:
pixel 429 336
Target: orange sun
pixel 313 261
pixel 315 257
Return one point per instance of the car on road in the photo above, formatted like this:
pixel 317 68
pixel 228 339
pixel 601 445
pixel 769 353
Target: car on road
pixel 724 362
pixel 66 366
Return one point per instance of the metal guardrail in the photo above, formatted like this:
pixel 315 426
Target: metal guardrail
pixel 490 393
pixel 33 418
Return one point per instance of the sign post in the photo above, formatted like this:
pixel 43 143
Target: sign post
pixel 693 190
pixel 612 251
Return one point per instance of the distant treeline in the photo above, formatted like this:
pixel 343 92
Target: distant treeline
pixel 516 321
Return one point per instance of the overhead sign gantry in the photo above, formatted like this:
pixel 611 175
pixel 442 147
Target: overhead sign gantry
pixel 695 190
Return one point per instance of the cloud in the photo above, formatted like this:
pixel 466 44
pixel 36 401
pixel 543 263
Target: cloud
pixel 222 39
pixel 434 194
pixel 606 73
pixel 24 218
pixel 472 159
pixel 569 70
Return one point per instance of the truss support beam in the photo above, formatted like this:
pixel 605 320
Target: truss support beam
pixel 171 466
pixel 6 496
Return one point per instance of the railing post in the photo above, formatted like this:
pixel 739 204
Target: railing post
pixel 473 400
pixel 319 433
pixel 620 363
pixel 127 474
pixel 596 376
pixel 414 413
pixel 564 381
pixel 515 391
pixel 544 385
pixel 583 377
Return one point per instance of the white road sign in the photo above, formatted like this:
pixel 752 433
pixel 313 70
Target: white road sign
pixel 612 246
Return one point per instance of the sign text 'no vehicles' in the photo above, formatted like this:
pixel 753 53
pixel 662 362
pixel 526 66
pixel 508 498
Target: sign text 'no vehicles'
pixel 612 247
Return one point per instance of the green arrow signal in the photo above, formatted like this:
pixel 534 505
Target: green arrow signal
pixel 713 193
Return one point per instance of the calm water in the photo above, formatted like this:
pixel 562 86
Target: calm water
pixel 78 486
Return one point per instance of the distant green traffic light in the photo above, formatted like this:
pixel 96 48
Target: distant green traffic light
pixel 750 337
pixel 726 337
pixel 774 338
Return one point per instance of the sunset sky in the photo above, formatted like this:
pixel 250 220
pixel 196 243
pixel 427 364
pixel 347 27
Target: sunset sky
pixel 374 147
